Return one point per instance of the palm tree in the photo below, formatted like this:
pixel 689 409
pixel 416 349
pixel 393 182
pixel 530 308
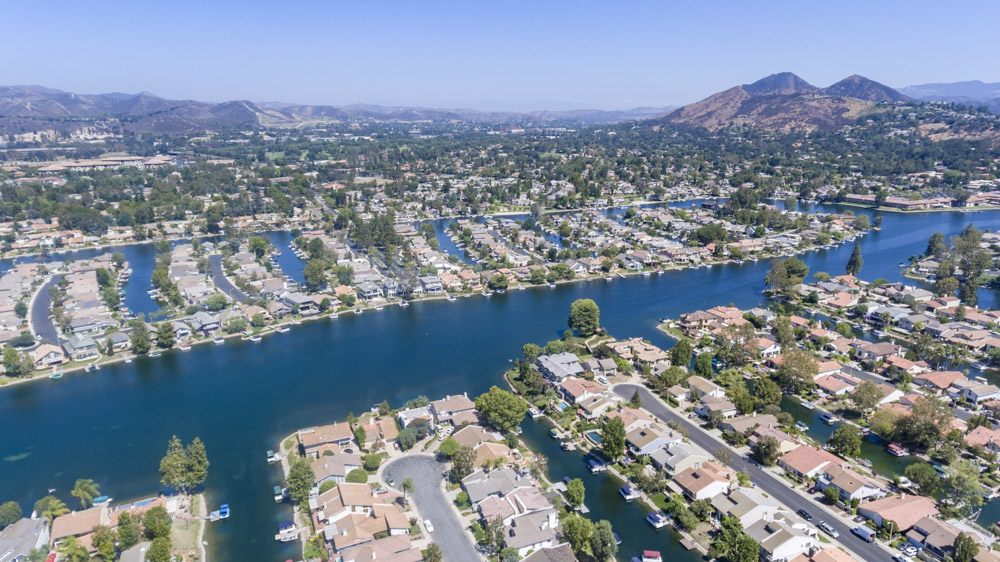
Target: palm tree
pixel 85 490
pixel 51 507
pixel 73 550
pixel 406 486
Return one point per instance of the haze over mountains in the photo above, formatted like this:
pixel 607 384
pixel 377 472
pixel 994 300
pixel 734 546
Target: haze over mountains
pixel 34 108
pixel 970 92
pixel 786 101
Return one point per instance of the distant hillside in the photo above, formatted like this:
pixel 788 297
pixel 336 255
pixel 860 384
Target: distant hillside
pixel 785 101
pixel 35 108
pixel 970 92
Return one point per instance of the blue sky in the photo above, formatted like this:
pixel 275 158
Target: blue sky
pixel 487 55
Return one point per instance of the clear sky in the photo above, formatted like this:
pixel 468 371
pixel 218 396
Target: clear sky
pixel 503 55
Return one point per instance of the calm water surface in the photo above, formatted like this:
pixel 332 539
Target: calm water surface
pixel 241 398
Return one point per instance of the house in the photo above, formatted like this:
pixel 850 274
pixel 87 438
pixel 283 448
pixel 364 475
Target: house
pixel 782 538
pixel 706 481
pixel 81 348
pixel 985 437
pixel 938 380
pixel 904 510
pixel 396 548
pixel 498 482
pixel 785 441
pixel 451 407
pixel 47 355
pixel 748 505
pixel 135 554
pixel 601 367
pixel 18 539
pixel 744 423
pixel 559 553
pixel 826 554
pixel 519 501
pixel 573 389
pixel 472 436
pixel 983 392
pixel 369 290
pixel 317 440
pixel 204 322
pixel 706 387
pixel 631 418
pixel 560 366
pixel 849 483
pixel 334 468
pixel 711 404
pixel 868 351
pixel 767 347
pixel 488 452
pixel 937 536
pixel 677 457
pixel 594 407
pixel 300 302
pixel 410 415
pixel 646 440
pixel 806 461
pixel 532 532
pixel 78 523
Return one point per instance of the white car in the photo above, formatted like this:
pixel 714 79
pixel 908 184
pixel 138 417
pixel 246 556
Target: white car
pixel 428 526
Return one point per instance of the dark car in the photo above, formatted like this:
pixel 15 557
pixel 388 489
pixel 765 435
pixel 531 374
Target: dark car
pixel 805 515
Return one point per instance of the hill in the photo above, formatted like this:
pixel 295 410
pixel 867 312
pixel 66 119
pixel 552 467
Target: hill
pixel 970 92
pixel 785 101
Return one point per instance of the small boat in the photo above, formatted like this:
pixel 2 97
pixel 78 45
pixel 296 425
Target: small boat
pixel 618 540
pixel 628 493
pixel 594 466
pixel 828 418
pixel 155 354
pixel 283 330
pixel 651 556
pixel 552 285
pixel 358 311
pixel 287 532
pixel 56 376
pixel 404 303
pixel 128 359
pixel 807 405
pixel 184 347
pixel 378 308
pixel 553 433
pixel 487 294
pixel 217 341
pixel 279 494
pixel 657 519
pixel 255 338
pixel 222 513
pixel 101 500
pixel 802 426
pixel 646 273
pixel 271 457
pixel 534 412
pixel 897 451
pixel 452 298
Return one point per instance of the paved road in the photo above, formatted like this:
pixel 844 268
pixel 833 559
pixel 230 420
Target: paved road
pixel 767 482
pixel 431 503
pixel 41 324
pixel 219 277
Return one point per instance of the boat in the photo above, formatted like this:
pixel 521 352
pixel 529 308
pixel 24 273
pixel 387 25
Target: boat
pixel 651 556
pixel 283 330
pixel 101 500
pixel 646 273
pixel 128 359
pixel 88 368
pixel 807 405
pixel 222 513
pixel 217 341
pixel 287 532
pixel 553 433
pixel 594 466
pixel 271 457
pixel 657 519
pixel 155 354
pixel 184 347
pixel 452 298
pixel 378 308
pixel 404 303
pixel 628 493
pixel 279 494
pixel 535 413
pixel 897 451
pixel 828 418
pixel 487 294
pixel 254 338
pixel 618 540
pixel 802 426
pixel 358 311
pixel 552 285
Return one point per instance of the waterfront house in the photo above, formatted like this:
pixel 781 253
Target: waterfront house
pixel 706 387
pixel 744 423
pixel 985 437
pixel 47 355
pixel 369 291
pixel 335 467
pixel 574 390
pixel 300 302
pixel 594 407
pixel 559 553
pixel 806 461
pixel 79 524
pixel 317 440
pixel 785 441
pixel 677 457
pixel 18 539
pixel 601 367
pixel 749 505
pixel 494 453
pixel 706 481
pixel 394 548
pixel 203 322
pixel 278 309
pixel 81 348
pixel 559 366
pixel 645 441
pixel 432 284
pixel 472 436
pixel 849 483
pixel 532 532
pixel 632 418
pixel 937 536
pixel 782 538
pixel 520 501
pixel 498 482
pixel 904 510
pixel 381 433
pixel 711 404
pixel 451 409
pixel 410 415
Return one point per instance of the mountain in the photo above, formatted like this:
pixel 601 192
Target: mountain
pixel 970 92
pixel 36 108
pixel 785 101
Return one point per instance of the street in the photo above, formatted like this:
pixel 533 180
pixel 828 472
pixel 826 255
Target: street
pixel 431 503
pixel 215 261
pixel 766 481
pixel 41 324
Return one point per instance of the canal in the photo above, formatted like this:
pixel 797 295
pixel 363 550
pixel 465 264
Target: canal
pixel 241 398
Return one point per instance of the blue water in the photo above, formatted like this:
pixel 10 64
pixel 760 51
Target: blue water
pixel 290 263
pixel 241 398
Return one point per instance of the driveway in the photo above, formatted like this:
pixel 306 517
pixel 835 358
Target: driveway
pixel 219 277
pixel 431 503
pixel 41 324
pixel 769 483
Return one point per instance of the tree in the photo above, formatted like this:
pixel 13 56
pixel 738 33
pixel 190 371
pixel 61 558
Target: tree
pixel 10 513
pixel 494 534
pixel 85 490
pixel 731 544
pixel 50 507
pixel 575 492
pixel 584 317
pixel 613 439
pixel 118 259
pixel 139 338
pixel 855 262
pixel 530 352
pixel 723 455
pixel 433 553
pixel 946 286
pixel 173 466
pixel 72 550
pixel 715 418
pixel 21 310
pixel 196 463
pixel 767 451
pixel 765 392
pixel 300 480
pixel 357 476
pixel 257 246
pixel 314 274
pixel 936 246
pixel 966 548
pixel 104 540
pixel 406 486
pixel 846 440
pixel 165 335
pixel 128 531
pixel 215 303
pixel 831 494
pixel 577 531
pixel 498 282
pixel 737 345
pixel 923 475
pixel 680 354
pixel 159 550
pixel 703 365
pixel 463 462
pixel 866 396
pixel 104 278
pixel 602 542
pixel 927 421
pixel 636 401
pixel 448 447
pixel 963 487
pixel 501 409
pixel 14 365
pixel 156 523
pixel 797 372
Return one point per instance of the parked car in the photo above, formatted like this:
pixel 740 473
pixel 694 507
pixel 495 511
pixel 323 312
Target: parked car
pixel 428 526
pixel 901 558
pixel 826 528
pixel 859 518
pixel 805 515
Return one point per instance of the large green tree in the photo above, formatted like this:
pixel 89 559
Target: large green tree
pixel 196 464
pixel 846 440
pixel 855 262
pixel 613 439
pixel 575 492
pixel 501 409
pixel 603 545
pixel 584 317
pixel 10 513
pixel 85 490
pixel 300 480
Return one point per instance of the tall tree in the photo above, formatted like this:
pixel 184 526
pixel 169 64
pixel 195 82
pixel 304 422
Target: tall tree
pixel 855 262
pixel 603 545
pixel 501 409
pixel 50 507
pixel 196 463
pixel 613 439
pixel 846 440
pixel 575 492
pixel 85 490
pixel 165 335
pixel 680 354
pixel 584 317
pixel 173 466
pixel 966 548
pixel 10 513
pixel 300 480
pixel 129 532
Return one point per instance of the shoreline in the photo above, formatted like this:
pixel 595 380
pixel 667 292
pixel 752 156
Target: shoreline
pixel 964 210
pixel 272 328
